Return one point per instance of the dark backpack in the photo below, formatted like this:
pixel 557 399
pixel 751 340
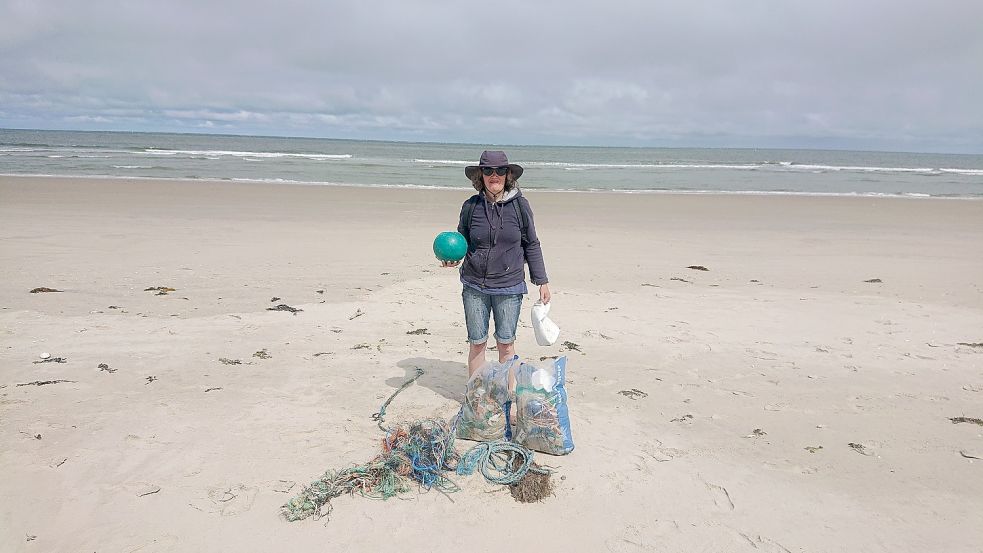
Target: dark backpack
pixel 468 210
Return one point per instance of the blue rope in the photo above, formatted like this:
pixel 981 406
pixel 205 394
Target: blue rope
pixel 380 417
pixel 427 474
pixel 496 460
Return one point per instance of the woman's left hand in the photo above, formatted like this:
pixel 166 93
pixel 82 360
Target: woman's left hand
pixel 544 293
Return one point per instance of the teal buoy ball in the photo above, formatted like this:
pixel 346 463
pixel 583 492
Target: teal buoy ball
pixel 450 246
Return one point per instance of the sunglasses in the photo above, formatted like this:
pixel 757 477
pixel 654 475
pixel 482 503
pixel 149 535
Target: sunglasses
pixel 500 171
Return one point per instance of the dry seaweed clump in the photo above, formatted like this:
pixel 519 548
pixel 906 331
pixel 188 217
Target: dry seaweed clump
pixel 534 486
pixel 161 290
pixel 955 420
pixel 285 307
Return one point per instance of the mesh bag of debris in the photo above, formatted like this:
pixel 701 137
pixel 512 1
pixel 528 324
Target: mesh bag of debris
pixel 482 416
pixel 542 419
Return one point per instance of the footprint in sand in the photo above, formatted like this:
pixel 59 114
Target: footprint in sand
pixel 761 543
pixel 226 500
pixel 642 537
pixel 661 453
pixel 618 481
pixel 654 452
pixel 787 465
pixel 761 354
pixel 141 489
pixel 720 495
pixel 284 486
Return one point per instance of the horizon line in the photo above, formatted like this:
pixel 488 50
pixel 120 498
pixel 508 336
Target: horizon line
pixel 528 145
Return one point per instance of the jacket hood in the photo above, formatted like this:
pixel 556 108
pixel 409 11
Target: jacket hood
pixel 509 196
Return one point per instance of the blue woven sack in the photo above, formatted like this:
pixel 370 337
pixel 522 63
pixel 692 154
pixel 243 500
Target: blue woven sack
pixel 542 419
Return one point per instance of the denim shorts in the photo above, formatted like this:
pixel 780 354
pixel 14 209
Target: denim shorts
pixel 478 306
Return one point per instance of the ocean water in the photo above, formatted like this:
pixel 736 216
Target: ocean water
pixel 407 164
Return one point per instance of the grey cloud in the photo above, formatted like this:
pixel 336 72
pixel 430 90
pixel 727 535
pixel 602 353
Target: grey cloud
pixel 875 74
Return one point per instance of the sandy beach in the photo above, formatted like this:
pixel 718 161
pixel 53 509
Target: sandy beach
pixel 796 396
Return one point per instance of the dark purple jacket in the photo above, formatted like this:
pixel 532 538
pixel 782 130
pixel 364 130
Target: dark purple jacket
pixel 496 252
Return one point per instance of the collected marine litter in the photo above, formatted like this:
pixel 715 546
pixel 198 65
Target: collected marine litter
pixel 542 420
pixel 482 415
pixel 422 452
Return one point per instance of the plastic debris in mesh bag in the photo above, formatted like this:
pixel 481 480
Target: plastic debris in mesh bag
pixel 483 414
pixel 542 420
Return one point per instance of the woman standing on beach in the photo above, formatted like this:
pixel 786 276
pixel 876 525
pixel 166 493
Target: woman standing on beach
pixel 498 225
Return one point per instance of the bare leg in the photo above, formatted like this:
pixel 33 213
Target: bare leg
pixel 476 357
pixel 505 352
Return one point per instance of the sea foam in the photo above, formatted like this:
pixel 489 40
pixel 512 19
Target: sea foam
pixel 231 153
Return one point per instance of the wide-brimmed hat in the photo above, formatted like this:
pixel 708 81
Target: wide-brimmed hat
pixel 493 158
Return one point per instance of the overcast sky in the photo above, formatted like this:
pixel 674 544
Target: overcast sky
pixel 860 74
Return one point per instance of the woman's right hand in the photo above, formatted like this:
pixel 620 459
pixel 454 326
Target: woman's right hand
pixel 449 263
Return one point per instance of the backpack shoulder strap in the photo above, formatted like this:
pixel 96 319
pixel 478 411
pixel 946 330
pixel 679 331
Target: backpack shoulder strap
pixel 523 222
pixel 466 212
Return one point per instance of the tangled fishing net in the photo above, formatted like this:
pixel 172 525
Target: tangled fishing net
pixel 422 452
pixel 417 453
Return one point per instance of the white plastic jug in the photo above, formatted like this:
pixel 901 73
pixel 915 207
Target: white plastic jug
pixel 546 330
